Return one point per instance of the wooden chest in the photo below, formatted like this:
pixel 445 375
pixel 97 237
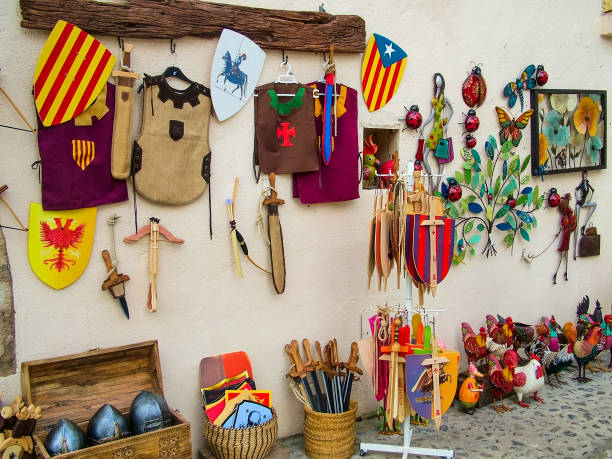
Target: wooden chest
pixel 75 386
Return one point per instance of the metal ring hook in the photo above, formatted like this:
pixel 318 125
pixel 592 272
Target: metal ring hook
pixel 120 41
pixel 172 46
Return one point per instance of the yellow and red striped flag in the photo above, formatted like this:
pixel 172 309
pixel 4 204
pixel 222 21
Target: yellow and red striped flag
pixel 70 72
pixel 381 72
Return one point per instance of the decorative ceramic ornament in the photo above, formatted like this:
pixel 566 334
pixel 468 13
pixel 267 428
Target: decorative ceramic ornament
pixel 474 89
pixel 59 243
pixel 70 72
pixel 382 71
pixel 236 68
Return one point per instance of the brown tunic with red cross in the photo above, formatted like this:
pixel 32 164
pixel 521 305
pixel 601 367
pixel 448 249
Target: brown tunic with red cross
pixel 285 133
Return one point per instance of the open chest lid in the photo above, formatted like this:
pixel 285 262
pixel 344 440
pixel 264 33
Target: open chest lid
pixel 75 386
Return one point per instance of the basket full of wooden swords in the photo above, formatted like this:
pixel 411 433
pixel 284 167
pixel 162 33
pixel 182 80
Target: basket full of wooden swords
pixel 324 386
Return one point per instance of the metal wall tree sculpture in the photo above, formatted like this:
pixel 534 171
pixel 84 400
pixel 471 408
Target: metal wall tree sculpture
pixel 497 198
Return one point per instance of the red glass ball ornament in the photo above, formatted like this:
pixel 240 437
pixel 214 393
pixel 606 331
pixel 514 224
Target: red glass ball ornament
pixel 474 89
pixel 471 121
pixel 511 201
pixel 541 76
pixel 454 190
pixel 553 198
pixel 470 141
pixel 414 119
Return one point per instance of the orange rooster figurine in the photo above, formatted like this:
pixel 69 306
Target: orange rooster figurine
pixel 475 345
pixel 529 378
pixel 502 378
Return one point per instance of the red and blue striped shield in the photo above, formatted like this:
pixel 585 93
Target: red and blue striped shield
pixel 421 247
pixel 408 250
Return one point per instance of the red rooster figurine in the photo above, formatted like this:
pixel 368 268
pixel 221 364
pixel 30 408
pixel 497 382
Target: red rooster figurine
pixel 501 332
pixel 502 378
pixel 475 345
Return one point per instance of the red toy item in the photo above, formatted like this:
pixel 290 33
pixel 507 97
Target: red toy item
pixel 474 89
pixel 470 141
pixel 471 122
pixel 454 190
pixel 414 119
pixel 386 169
pixel 541 75
pixel 553 198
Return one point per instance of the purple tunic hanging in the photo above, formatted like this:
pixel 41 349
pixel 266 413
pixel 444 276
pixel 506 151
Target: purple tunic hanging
pixel 75 159
pixel 339 180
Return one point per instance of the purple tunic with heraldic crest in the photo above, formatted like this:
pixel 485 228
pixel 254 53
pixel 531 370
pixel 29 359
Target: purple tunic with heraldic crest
pixel 339 180
pixel 75 159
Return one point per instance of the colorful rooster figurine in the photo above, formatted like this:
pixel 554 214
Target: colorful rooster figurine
pixel 502 378
pixel 552 362
pixel 475 345
pixel 470 390
pixel 370 163
pixel 585 350
pixel 529 378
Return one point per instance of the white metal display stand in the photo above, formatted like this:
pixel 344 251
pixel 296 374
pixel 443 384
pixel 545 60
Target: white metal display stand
pixel 405 449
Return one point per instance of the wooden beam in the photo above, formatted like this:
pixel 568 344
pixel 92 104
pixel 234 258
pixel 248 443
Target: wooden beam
pixel 271 29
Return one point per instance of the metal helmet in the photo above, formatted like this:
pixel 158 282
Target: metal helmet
pixel 149 412
pixel 106 425
pixel 64 437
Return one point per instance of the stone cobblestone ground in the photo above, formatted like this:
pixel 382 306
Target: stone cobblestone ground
pixel 574 421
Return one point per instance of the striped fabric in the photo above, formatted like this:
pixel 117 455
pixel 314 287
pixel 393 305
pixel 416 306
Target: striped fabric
pixel 418 248
pixel 83 152
pixel 71 71
pixel 381 72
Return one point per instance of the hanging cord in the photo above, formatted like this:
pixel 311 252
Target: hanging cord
pixel 112 221
pixel 265 194
pixel 530 257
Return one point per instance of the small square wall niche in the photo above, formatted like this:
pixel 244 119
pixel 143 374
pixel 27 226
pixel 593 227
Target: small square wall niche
pixel 386 141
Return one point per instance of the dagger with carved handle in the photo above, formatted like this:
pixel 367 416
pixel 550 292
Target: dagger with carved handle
pixel 114 283
pixel 121 151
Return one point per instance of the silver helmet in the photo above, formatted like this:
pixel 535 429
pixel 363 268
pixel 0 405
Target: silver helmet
pixel 106 425
pixel 64 437
pixel 149 412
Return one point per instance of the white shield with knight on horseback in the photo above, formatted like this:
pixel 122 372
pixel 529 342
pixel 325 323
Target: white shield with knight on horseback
pixel 236 68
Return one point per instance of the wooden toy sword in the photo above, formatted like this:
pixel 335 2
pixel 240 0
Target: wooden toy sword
pixel 122 148
pixel 154 229
pixel 275 234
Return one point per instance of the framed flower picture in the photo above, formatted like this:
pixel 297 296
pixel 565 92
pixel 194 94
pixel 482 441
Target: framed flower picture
pixel 568 131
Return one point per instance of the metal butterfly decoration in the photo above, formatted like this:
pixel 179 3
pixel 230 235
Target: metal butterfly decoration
pixel 511 127
pixel 529 79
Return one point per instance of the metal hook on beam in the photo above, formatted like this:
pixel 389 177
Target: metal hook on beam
pixel 172 46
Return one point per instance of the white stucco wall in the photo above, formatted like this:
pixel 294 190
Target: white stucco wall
pixel 203 308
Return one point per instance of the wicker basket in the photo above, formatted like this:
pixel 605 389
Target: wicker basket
pixel 330 436
pixel 251 443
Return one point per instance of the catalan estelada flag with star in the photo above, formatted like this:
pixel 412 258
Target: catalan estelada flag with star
pixel 71 71
pixel 381 72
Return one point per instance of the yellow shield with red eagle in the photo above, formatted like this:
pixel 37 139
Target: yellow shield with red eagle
pixel 60 243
